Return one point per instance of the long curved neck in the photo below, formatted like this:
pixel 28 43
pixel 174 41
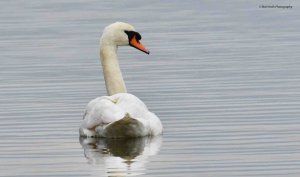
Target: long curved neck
pixel 111 70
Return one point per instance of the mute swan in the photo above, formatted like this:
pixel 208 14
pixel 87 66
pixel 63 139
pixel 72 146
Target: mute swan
pixel 120 114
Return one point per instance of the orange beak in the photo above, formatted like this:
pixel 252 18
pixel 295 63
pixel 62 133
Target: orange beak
pixel 136 44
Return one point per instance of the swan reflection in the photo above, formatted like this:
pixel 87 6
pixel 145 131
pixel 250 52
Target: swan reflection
pixel 121 157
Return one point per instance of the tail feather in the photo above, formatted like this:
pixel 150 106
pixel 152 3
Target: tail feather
pixel 125 127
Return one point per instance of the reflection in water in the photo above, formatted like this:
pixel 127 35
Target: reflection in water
pixel 121 157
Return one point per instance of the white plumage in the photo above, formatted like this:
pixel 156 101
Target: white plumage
pixel 121 114
pixel 106 112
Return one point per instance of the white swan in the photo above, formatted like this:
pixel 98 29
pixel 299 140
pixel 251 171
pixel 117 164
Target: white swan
pixel 120 114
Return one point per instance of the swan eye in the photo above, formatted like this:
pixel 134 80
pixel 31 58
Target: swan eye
pixel 130 35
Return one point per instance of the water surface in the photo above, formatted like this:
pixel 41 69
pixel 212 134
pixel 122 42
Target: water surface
pixel 223 77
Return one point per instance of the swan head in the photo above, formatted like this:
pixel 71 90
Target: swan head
pixel 122 34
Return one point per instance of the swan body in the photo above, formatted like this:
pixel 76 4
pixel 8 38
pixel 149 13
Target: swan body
pixel 120 114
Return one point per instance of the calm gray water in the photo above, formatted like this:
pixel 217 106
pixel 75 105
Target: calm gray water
pixel 224 77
